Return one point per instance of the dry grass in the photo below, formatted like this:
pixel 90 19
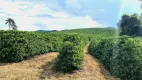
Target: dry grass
pixel 41 68
pixel 26 70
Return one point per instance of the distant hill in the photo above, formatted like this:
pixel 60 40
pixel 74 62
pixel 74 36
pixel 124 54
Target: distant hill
pixel 92 30
pixel 46 30
pixel 92 33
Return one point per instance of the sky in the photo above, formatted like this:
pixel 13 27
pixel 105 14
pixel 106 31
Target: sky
pixel 31 15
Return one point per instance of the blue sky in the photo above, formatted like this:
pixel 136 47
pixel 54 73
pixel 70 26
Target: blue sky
pixel 33 15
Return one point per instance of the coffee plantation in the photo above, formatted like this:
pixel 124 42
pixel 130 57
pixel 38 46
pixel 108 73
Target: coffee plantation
pixel 71 55
pixel 122 56
pixel 16 46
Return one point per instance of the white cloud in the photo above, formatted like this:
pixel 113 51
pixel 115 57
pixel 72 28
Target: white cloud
pixel 25 17
pixel 26 23
pixel 71 23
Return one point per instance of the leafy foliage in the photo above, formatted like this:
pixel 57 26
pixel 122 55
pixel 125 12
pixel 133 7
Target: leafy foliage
pixel 93 33
pixel 103 50
pixel 130 25
pixel 71 55
pixel 16 46
pixel 122 56
pixel 127 59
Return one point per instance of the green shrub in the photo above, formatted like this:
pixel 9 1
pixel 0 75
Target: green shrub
pixel 70 57
pixel 74 38
pixel 16 46
pixel 71 54
pixel 11 46
pixel 92 48
pixel 103 50
pixel 107 47
pixel 127 59
pixel 122 56
pixel 35 45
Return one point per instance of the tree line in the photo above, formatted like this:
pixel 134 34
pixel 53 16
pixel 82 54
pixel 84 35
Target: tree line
pixel 130 25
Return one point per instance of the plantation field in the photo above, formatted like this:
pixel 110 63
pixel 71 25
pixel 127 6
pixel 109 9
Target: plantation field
pixel 92 33
pixel 18 46
pixel 41 68
pixel 61 55
pixel 122 56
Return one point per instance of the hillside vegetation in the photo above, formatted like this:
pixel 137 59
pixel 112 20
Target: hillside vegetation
pixel 91 33
pixel 41 68
pixel 17 46
pixel 121 55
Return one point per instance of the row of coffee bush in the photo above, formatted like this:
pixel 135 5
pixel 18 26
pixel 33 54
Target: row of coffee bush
pixel 16 46
pixel 71 55
pixel 122 56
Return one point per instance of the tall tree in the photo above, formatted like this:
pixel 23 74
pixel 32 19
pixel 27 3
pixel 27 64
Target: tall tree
pixel 11 23
pixel 130 25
